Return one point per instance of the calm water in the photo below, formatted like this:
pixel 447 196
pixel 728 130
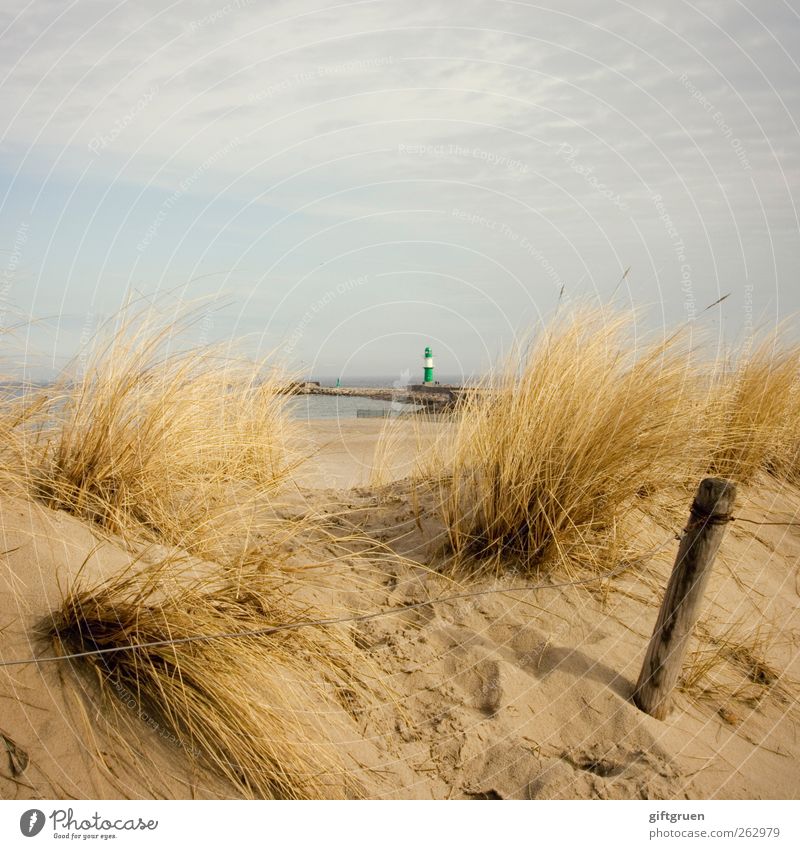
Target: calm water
pixel 306 406
pixel 340 407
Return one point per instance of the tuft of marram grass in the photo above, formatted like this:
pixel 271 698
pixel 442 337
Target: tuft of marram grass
pixel 261 712
pixel 156 442
pixel 757 407
pixel 150 438
pixel 545 456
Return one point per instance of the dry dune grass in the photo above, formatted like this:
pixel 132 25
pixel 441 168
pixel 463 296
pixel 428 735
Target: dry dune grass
pixel 758 405
pixel 148 437
pixel 730 670
pixel 262 711
pixel 545 456
pixel 154 442
pixel 590 420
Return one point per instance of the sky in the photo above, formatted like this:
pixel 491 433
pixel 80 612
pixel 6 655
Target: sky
pixel 344 183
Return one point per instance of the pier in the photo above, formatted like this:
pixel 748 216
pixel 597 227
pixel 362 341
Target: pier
pixel 436 396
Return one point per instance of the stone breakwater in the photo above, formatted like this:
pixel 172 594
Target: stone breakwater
pixel 427 396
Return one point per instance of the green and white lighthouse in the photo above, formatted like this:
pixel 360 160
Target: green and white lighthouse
pixel 428 365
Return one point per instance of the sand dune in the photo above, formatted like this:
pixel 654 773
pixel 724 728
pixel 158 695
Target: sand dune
pixel 504 695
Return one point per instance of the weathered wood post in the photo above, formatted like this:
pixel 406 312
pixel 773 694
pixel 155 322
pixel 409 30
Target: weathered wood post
pixel 681 606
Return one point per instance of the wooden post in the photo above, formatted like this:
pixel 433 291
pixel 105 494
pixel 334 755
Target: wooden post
pixel 681 606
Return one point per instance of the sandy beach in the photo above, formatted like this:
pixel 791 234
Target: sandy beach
pixel 508 695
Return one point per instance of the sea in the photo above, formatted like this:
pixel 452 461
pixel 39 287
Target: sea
pixel 312 407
